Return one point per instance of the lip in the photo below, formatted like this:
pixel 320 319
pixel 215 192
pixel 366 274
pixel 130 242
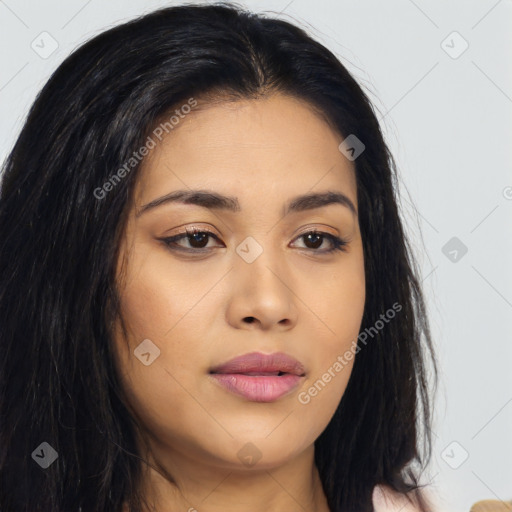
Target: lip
pixel 260 377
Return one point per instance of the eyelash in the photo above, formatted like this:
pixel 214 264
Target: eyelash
pixel 338 244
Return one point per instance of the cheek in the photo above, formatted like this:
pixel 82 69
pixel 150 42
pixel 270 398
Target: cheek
pixel 159 295
pixel 338 299
pixel 320 396
pixel 322 392
pixel 164 306
pixel 158 393
pixel 340 306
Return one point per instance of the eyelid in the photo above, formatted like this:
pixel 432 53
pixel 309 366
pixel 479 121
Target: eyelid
pixel 181 235
pixel 337 243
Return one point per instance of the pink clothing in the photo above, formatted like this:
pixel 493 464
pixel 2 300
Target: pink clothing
pixel 386 500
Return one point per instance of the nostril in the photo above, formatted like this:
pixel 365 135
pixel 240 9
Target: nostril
pixel 249 319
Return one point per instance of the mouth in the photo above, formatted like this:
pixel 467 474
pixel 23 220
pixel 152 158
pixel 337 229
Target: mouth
pixel 257 363
pixel 278 374
pixel 260 377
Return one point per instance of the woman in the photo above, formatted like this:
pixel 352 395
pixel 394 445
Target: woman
pixel 207 297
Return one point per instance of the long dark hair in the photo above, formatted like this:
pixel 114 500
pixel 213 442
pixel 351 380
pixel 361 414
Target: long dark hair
pixel 59 243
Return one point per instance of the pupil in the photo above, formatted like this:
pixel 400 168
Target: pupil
pixel 195 240
pixel 318 237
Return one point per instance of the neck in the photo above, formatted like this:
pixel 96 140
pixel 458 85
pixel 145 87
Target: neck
pixel 294 485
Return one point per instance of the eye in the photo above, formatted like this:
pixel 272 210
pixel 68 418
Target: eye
pixel 316 238
pixel 197 238
pixel 198 241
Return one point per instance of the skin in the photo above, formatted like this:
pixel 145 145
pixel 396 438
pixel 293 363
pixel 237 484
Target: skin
pixel 194 308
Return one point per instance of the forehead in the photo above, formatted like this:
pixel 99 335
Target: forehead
pixel 260 149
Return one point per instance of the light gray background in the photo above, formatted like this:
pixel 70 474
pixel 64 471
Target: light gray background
pixel 448 122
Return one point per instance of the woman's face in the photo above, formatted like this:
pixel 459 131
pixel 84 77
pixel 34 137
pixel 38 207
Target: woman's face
pixel 258 284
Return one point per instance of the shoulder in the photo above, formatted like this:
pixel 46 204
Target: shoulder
pixel 386 499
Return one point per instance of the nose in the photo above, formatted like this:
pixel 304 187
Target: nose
pixel 261 295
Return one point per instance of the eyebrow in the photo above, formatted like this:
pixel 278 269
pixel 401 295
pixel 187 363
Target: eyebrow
pixel 213 200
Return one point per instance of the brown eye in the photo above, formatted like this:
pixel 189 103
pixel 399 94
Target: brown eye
pixel 314 239
pixel 198 241
pixel 197 238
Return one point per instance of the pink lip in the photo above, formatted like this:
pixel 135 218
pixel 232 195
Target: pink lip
pixel 260 377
